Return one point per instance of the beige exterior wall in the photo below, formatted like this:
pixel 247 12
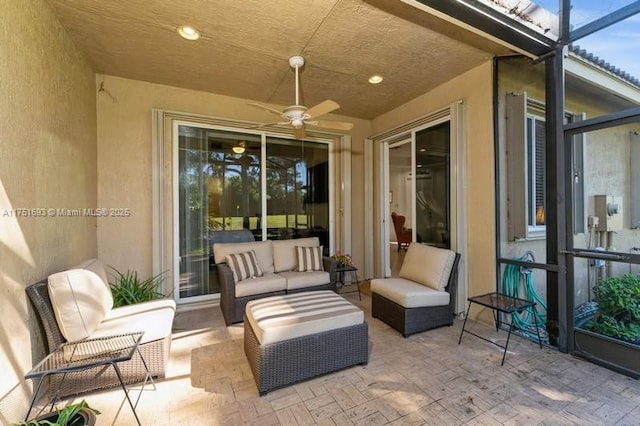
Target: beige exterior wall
pixel 607 168
pixel 48 160
pixel 125 164
pixel 474 88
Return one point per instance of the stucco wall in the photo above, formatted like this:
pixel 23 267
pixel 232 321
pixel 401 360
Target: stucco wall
pixel 48 160
pixel 125 164
pixel 474 88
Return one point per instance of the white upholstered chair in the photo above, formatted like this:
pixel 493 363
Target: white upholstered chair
pixel 423 296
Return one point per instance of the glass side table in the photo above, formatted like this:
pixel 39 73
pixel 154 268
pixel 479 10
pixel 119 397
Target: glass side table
pixel 346 269
pixel 73 357
pixel 500 303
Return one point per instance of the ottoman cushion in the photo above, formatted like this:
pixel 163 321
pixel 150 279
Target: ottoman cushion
pixel 279 318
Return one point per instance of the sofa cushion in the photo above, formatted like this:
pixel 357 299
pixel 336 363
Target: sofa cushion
pixel 80 302
pixel 285 257
pixel 263 250
pixel 243 265
pixel 409 293
pixel 155 318
pixel 309 259
pixel 267 283
pixel 97 267
pixel 298 280
pixel 428 265
pixel 278 318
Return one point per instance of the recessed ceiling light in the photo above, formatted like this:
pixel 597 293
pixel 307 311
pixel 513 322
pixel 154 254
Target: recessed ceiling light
pixel 375 79
pixel 188 32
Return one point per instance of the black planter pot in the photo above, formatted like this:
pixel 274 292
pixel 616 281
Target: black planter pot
pixel 84 417
pixel 614 354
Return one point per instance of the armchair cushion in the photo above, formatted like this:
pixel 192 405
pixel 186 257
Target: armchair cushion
pixel 80 302
pixel 243 265
pixel 154 317
pixel 309 259
pixel 428 265
pixel 409 294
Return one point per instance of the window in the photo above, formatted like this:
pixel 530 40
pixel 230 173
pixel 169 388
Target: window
pixel 526 169
pixel 536 174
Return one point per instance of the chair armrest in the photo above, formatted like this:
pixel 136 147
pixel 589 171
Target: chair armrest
pixel 331 266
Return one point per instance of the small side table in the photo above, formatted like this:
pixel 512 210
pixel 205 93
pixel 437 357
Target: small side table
pixel 500 303
pixel 344 269
pixel 85 354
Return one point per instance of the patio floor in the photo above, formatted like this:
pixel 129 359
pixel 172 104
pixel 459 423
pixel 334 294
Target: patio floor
pixel 424 379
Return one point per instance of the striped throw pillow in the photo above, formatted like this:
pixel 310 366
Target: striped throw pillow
pixel 244 265
pixel 309 259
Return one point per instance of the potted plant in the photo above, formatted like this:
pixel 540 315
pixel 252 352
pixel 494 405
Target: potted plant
pixel 128 288
pixel 79 414
pixel 612 336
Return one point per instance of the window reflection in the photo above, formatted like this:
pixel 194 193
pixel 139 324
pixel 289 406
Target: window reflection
pixel 221 196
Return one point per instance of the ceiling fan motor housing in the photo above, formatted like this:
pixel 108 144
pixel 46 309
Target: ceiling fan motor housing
pixel 296 61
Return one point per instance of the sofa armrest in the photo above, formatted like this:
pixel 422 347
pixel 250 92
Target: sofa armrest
pixel 227 292
pixel 331 266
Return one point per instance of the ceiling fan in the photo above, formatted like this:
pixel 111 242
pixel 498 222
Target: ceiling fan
pixel 299 116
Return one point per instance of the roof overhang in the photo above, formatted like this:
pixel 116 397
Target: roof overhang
pixel 490 22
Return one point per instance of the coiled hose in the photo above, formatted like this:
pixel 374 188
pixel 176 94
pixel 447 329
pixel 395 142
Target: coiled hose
pixel 515 277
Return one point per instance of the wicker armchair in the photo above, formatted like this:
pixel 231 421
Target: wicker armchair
pixel 155 353
pixel 424 295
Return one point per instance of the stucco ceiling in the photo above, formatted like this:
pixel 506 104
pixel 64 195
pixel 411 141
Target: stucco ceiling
pixel 245 46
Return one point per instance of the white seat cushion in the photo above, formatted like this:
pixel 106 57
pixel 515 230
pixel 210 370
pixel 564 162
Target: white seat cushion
pixel 285 256
pixel 80 302
pixel 428 265
pixel 155 318
pixel 297 280
pixel 278 318
pixel 264 284
pixel 408 293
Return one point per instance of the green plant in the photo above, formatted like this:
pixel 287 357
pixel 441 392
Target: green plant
pixel 128 288
pixel 71 415
pixel 618 312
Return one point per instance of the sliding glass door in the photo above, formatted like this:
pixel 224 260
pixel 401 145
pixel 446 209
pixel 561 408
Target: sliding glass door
pixel 233 186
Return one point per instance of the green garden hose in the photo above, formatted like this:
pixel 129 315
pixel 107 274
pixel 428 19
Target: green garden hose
pixel 513 279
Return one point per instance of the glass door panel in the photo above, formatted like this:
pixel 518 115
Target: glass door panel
pixel 432 153
pixel 218 190
pixel 297 190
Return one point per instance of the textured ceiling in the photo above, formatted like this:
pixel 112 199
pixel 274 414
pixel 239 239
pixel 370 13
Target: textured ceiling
pixel 245 46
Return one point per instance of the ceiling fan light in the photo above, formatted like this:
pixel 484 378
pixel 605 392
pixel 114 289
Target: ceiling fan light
pixel 239 149
pixel 376 79
pixel 297 122
pixel 188 32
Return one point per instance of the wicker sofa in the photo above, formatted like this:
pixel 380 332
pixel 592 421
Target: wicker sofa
pixel 278 260
pixel 423 296
pixel 76 304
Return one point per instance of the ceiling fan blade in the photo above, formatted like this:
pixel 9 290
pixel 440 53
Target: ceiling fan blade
pixel 265 108
pixel 299 133
pixel 338 125
pixel 322 108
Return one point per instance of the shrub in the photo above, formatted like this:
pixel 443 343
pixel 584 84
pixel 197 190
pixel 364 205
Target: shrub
pixel 618 312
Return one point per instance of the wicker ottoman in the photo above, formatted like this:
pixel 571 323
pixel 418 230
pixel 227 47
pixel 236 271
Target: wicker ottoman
pixel 295 337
